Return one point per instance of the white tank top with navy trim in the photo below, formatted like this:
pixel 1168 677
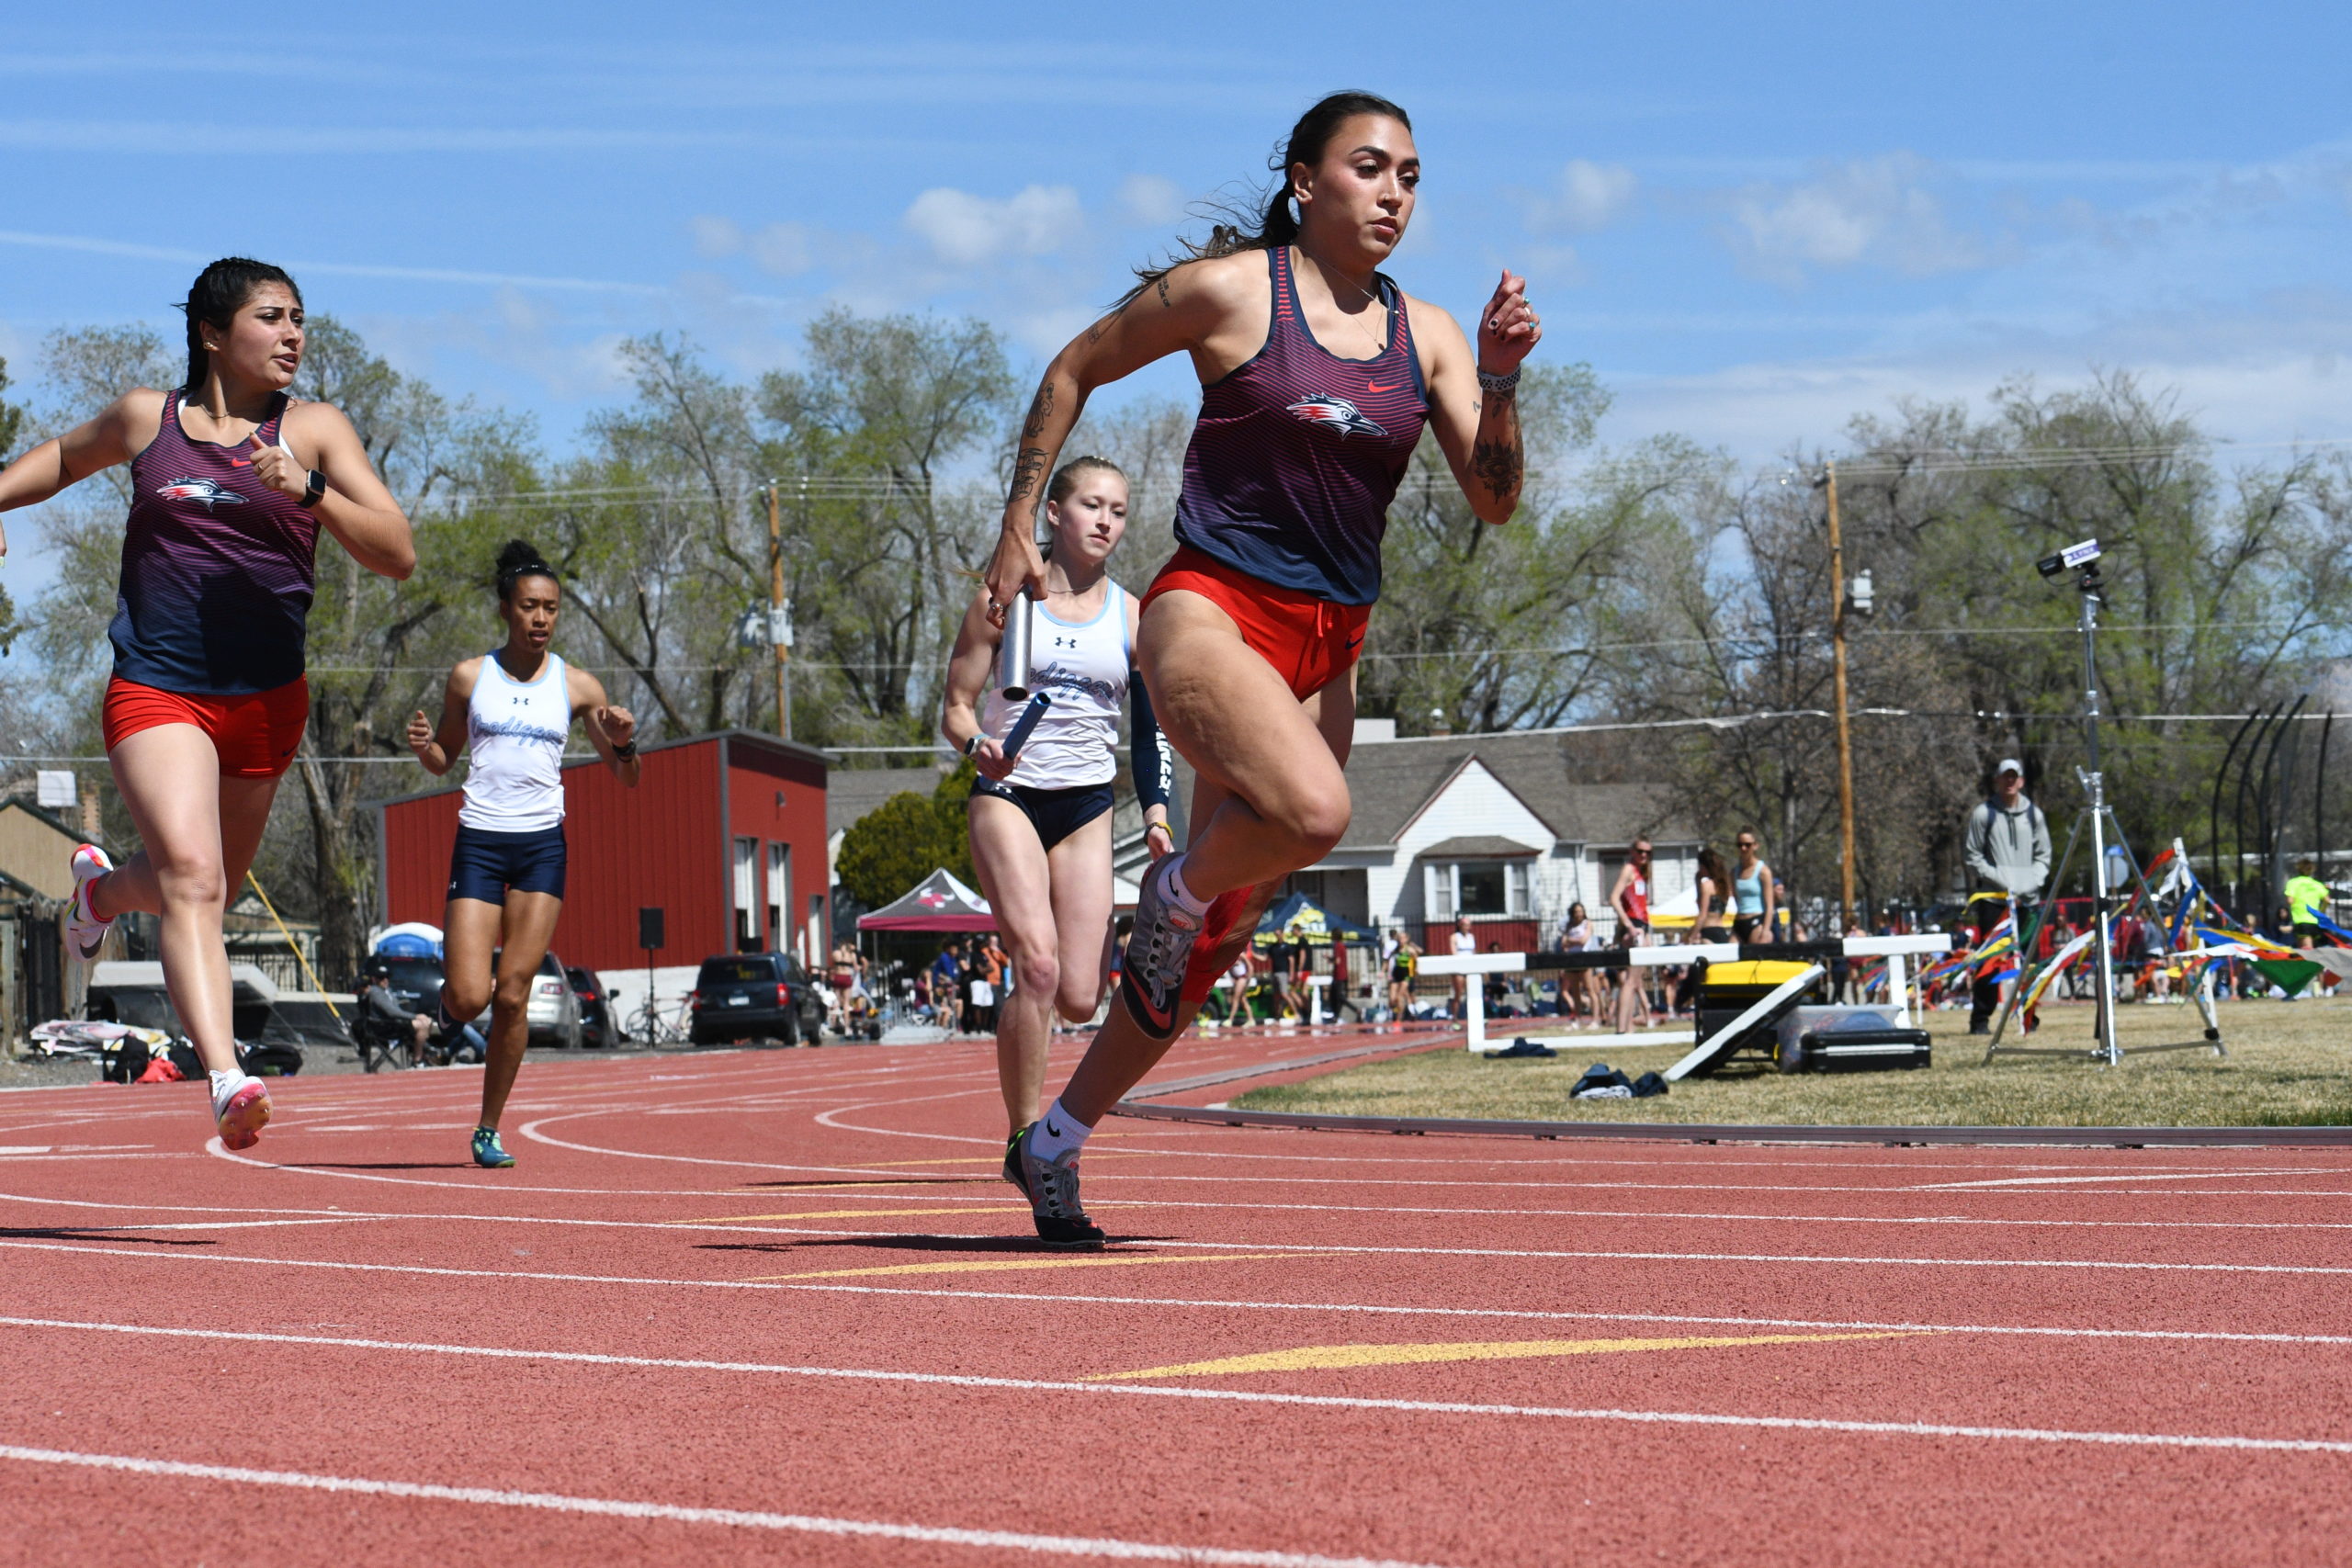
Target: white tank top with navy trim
pixel 515 732
pixel 1084 668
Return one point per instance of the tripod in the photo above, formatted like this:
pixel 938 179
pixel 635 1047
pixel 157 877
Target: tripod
pixel 2104 902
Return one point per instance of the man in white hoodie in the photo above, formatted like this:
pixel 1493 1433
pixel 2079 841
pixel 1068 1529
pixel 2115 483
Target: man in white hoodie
pixel 2007 843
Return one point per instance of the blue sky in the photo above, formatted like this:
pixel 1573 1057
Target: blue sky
pixel 1753 220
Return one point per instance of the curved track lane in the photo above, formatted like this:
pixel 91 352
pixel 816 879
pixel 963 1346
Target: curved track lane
pixel 779 1306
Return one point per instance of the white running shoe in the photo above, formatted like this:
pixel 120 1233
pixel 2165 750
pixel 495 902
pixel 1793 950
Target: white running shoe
pixel 241 1114
pixel 84 928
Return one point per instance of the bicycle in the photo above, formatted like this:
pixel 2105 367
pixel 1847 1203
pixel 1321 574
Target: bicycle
pixel 651 1026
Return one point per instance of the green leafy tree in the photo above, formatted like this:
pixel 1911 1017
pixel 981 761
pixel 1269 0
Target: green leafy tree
pixel 12 417
pixel 889 850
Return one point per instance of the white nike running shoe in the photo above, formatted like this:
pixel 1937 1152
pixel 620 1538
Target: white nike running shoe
pixel 84 929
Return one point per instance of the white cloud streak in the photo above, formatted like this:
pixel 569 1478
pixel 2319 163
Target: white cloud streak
pixel 1876 211
pixel 963 230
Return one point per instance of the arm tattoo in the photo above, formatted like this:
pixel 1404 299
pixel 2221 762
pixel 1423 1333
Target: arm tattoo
pixel 1163 292
pixel 1040 410
pixel 1027 469
pixel 1499 465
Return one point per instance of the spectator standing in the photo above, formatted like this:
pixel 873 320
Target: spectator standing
pixel 1714 899
pixel 2306 897
pixel 1629 897
pixel 1575 936
pixel 1281 962
pixel 1236 1011
pixel 1465 942
pixel 1754 891
pixel 2008 845
pixel 1402 961
pixel 947 988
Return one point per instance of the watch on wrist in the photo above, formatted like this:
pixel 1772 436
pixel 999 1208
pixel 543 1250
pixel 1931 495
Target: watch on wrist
pixel 1490 382
pixel 316 488
pixel 627 750
pixel 973 743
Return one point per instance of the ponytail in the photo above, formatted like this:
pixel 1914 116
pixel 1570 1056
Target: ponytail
pixel 1273 223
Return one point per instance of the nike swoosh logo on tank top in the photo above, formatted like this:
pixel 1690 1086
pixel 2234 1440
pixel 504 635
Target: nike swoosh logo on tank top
pixel 1298 453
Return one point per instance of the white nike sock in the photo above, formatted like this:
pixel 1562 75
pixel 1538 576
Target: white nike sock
pixel 1183 896
pixel 226 1081
pixel 1057 1132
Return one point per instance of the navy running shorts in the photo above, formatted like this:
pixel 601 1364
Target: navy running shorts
pixel 1055 813
pixel 485 865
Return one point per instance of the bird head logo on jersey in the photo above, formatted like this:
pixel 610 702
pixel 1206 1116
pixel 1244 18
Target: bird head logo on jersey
pixel 204 490
pixel 1338 413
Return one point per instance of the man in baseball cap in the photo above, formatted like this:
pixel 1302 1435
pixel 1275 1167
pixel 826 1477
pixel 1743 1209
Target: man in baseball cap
pixel 2008 845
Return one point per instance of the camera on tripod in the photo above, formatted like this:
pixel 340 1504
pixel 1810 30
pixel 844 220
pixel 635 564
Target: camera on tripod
pixel 2068 559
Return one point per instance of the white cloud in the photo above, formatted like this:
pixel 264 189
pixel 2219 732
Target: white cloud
pixel 963 230
pixel 1877 212
pixel 716 236
pixel 1149 201
pixel 785 250
pixel 1587 197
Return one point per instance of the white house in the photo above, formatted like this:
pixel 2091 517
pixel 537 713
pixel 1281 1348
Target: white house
pixel 1495 827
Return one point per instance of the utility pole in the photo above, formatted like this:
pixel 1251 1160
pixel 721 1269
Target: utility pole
pixel 1845 738
pixel 776 619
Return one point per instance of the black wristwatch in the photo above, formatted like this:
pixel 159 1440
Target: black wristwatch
pixel 973 743
pixel 315 489
pixel 626 750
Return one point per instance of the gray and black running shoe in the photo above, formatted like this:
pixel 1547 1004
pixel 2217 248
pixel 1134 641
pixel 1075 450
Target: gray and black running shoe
pixel 1151 973
pixel 1051 1187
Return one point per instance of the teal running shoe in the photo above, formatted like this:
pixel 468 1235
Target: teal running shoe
pixel 489 1151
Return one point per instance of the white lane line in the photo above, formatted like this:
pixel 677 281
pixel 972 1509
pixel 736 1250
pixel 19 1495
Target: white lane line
pixel 741 1519
pixel 1344 1307
pixel 1243 1396
pixel 861 1233
pixel 24 1148
pixel 1766 1257
pixel 532 1130
pixel 1562 1316
pixel 2062 1181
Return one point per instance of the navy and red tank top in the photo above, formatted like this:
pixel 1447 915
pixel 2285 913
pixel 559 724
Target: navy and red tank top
pixel 1298 453
pixel 217 567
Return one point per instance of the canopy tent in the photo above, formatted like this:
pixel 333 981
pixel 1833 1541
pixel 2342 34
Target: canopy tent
pixel 1678 913
pixel 939 903
pixel 1296 919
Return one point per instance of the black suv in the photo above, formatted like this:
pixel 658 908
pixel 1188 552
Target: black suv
pixel 755 995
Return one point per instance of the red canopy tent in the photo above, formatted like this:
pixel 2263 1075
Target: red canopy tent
pixel 939 903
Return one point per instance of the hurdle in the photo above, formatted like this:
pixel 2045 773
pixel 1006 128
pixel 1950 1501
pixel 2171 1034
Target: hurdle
pixel 1896 950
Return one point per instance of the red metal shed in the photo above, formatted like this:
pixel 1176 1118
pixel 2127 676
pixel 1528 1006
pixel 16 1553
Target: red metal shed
pixel 724 832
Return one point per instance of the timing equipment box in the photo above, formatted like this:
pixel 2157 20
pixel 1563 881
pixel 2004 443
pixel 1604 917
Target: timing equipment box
pixel 1846 1039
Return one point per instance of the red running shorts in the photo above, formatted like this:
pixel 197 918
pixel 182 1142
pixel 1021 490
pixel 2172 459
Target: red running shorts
pixel 1309 642
pixel 256 732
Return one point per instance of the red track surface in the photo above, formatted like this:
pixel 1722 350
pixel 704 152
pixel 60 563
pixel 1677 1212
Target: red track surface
pixel 372 1352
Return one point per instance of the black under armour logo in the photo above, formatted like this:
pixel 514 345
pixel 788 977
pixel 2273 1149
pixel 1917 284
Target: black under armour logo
pixel 1064 642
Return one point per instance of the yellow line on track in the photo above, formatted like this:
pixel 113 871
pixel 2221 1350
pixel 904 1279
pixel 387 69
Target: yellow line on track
pixel 1326 1358
pixel 849 1214
pixel 1004 1265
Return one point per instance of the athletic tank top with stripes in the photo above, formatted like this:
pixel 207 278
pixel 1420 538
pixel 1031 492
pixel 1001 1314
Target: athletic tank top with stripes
pixel 215 592
pixel 1298 453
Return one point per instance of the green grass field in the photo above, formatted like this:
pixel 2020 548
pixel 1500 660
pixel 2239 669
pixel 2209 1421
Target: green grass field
pixel 2289 1065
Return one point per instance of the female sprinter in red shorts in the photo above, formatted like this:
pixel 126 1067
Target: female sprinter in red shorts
pixel 1317 374
pixel 231 481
